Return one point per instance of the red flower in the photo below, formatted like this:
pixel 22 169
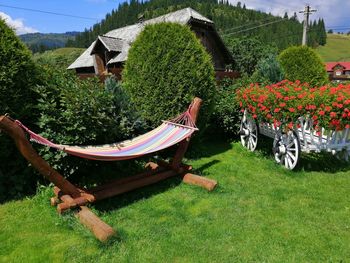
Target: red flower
pixel 300 107
pixel 321 112
pixel 347 126
pixel 277 110
pixel 282 104
pixel 291 109
pixel 328 108
pixel 333 114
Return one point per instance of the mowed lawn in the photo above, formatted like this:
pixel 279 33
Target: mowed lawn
pixel 336 49
pixel 259 212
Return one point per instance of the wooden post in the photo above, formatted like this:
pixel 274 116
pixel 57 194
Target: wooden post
pixel 99 228
pixel 193 179
pixel 180 153
pixel 26 149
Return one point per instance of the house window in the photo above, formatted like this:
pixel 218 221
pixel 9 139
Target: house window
pixel 338 73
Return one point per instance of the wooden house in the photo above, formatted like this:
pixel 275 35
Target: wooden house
pixel 338 71
pixel 108 53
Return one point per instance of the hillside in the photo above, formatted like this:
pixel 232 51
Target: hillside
pixel 39 42
pixel 336 49
pixel 231 22
pixel 61 57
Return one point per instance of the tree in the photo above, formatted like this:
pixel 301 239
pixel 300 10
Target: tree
pixel 167 66
pixel 247 52
pixel 330 31
pixel 302 63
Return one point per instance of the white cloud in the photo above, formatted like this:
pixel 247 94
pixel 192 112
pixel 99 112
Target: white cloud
pixel 17 24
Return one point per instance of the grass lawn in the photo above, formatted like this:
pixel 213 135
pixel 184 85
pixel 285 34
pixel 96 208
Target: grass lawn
pixel 259 212
pixel 336 49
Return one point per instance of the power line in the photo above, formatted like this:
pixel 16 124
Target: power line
pixel 252 28
pixel 48 12
pixel 252 23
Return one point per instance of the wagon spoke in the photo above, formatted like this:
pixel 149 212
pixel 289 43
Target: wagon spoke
pixel 291 156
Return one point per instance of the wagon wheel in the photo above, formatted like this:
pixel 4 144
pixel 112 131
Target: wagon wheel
pixel 286 149
pixel 249 132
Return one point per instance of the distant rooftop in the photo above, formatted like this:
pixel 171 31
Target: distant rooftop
pixel 127 35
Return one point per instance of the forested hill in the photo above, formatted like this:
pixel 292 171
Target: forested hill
pixel 231 22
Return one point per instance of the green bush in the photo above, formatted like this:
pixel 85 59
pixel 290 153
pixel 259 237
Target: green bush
pixel 247 52
pixel 269 70
pixel 82 112
pixel 226 116
pixel 302 63
pixel 18 76
pixel 167 67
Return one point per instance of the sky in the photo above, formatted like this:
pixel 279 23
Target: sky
pixel 336 13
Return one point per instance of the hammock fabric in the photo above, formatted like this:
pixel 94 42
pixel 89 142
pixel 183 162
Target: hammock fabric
pixel 167 134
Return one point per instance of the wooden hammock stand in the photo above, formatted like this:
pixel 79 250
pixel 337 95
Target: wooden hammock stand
pixel 68 196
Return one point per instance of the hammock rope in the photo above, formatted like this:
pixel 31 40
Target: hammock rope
pixel 166 135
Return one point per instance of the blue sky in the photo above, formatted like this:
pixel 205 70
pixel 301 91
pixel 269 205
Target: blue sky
pixel 28 21
pixel 336 13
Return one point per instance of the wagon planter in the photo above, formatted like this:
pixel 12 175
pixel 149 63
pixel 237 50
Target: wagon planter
pixel 288 144
pixel 298 118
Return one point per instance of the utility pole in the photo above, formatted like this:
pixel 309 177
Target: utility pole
pixel 307 11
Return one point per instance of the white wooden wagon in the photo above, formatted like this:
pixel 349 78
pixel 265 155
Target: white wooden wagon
pixel 288 145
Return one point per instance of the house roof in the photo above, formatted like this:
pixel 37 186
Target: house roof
pixel 128 34
pixel 330 65
pixel 111 43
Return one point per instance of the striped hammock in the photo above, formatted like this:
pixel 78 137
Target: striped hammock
pixel 167 134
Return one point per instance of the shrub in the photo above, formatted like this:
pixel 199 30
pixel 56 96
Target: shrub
pixel 303 64
pixel 269 69
pixel 226 111
pixel 82 113
pixel 167 66
pixel 18 76
pixel 247 52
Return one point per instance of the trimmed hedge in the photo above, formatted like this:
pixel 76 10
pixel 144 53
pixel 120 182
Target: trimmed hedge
pixel 18 76
pixel 303 64
pixel 167 67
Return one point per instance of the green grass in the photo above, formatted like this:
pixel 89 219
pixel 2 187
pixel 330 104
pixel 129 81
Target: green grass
pixel 259 212
pixel 336 49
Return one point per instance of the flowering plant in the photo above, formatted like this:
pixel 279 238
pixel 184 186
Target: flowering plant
pixel 284 102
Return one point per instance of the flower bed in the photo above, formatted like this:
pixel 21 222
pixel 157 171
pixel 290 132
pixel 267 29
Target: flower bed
pixel 283 103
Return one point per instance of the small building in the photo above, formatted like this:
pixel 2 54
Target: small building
pixel 108 53
pixel 338 71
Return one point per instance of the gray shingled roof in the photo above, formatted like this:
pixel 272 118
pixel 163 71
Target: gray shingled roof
pixel 111 43
pixel 128 35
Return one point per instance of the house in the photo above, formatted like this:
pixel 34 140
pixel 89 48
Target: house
pixel 108 53
pixel 338 71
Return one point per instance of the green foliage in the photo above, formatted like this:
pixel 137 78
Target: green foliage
pixel 167 67
pixel 226 115
pixel 82 113
pixel 302 63
pixel 247 52
pixel 61 57
pixel 269 69
pixel 18 75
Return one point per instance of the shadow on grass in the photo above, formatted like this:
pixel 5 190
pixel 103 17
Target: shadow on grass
pixel 146 192
pixel 309 162
pixel 208 148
